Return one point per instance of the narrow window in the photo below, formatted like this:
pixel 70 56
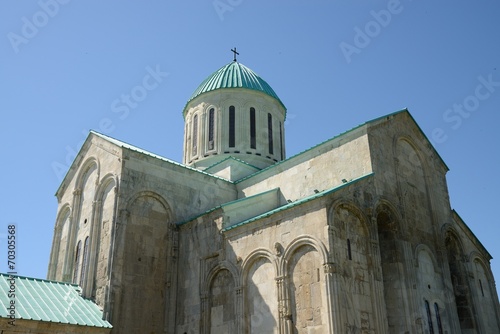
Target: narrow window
pixel 232 121
pixel 349 254
pixel 429 317
pixel 281 141
pixel 195 134
pixel 253 139
pixel 211 125
pixel 270 133
pixel 438 318
pixel 84 261
pixel 77 261
pixel 481 286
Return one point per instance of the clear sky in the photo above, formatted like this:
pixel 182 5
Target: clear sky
pixel 66 65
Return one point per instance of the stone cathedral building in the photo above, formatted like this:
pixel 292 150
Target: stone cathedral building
pixel 354 235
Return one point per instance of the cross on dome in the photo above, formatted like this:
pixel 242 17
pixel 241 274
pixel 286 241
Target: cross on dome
pixel 235 53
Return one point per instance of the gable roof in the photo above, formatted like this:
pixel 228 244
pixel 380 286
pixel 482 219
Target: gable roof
pixel 298 202
pixel 343 134
pixel 405 111
pixel 374 121
pixel 238 168
pixel 153 155
pixel 51 301
pixel 130 147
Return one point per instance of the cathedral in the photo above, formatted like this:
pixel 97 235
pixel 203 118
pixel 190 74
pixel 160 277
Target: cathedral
pixel 354 235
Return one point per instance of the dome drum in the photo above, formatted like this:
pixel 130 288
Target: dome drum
pixel 244 122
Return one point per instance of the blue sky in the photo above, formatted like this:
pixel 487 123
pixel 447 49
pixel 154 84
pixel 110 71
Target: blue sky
pixel 66 65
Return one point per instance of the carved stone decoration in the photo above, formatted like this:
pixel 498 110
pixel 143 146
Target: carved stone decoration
pixel 330 268
pixel 278 249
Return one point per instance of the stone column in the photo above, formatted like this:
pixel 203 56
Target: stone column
pixel 94 241
pixel 54 254
pixel 239 321
pixel 332 296
pixel 73 228
pixel 205 314
pixel 284 310
pixel 378 303
pixel 334 292
pixel 171 281
pixel 109 279
pixel 411 280
pixel 449 295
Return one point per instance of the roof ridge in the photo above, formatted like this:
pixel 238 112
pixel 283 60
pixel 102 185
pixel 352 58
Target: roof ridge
pixel 151 154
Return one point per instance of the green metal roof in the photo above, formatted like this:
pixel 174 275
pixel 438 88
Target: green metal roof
pixel 234 75
pixel 234 159
pixel 299 202
pixel 44 300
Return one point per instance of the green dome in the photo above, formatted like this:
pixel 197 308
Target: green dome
pixel 234 75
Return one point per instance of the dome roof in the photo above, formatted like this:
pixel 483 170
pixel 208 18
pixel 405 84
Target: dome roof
pixel 234 75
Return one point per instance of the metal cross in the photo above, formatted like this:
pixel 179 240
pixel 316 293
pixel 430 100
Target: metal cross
pixel 235 53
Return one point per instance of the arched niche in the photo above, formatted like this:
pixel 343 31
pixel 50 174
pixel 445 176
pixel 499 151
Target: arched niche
pixel 412 184
pixel 459 281
pixel 143 253
pixel 303 263
pixel 222 307
pixel 260 293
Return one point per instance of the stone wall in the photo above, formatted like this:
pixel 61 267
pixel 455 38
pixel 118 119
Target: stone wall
pixel 384 254
pixel 426 255
pixel 322 167
pixel 242 100
pixel 274 268
pixel 86 207
pixel 154 195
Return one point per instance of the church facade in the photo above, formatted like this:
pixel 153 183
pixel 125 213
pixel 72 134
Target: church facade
pixel 354 235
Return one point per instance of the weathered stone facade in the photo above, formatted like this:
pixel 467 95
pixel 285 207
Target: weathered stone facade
pixel 355 235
